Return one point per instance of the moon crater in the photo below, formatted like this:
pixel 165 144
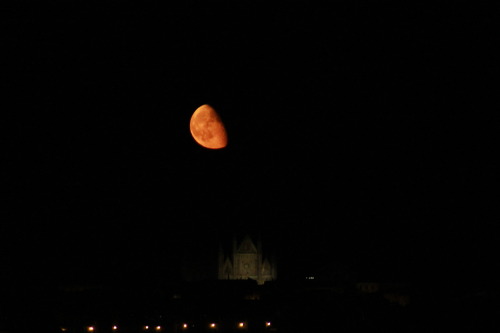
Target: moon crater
pixel 207 128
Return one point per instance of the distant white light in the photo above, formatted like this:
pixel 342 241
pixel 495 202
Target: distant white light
pixel 146 327
pixel 184 325
pixel 90 328
pixel 115 327
pixel 213 325
pixel 158 328
pixel 268 323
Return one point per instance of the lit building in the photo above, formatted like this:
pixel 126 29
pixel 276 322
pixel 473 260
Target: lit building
pixel 246 261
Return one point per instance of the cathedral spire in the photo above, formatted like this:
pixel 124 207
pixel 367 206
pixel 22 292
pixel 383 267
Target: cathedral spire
pixel 221 262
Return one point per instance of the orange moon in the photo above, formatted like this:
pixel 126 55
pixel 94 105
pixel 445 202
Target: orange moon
pixel 207 128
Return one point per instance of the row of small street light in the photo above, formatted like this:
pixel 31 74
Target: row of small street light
pixel 184 326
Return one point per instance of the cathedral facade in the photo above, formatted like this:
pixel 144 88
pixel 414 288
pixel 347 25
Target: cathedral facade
pixel 246 260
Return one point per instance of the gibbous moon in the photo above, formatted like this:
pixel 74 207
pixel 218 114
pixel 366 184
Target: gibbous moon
pixel 207 128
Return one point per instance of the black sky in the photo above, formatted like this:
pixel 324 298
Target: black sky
pixel 360 136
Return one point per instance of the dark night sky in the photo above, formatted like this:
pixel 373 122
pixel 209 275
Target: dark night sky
pixel 360 136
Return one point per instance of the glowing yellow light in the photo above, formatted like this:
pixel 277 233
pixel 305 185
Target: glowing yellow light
pixel 64 329
pixel 158 328
pixel 90 328
pixel 146 327
pixel 268 323
pixel 184 325
pixel 241 325
pixel 212 325
pixel 115 328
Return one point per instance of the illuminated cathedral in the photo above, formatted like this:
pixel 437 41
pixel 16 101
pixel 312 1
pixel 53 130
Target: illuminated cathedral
pixel 246 260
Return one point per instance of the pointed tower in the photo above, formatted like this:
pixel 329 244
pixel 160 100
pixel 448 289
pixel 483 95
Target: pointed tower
pixel 220 273
pixel 260 279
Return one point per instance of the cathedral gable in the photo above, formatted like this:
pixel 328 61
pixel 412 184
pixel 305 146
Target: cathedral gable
pixel 227 269
pixel 247 246
pixel 266 267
